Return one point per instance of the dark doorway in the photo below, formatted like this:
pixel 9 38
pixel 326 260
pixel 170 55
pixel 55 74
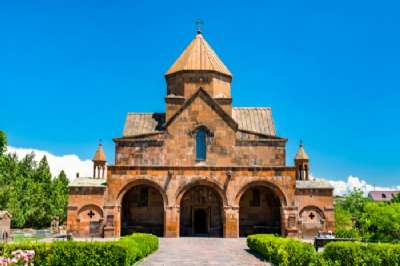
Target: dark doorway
pixel 259 212
pixel 142 211
pixel 200 222
pixel 201 212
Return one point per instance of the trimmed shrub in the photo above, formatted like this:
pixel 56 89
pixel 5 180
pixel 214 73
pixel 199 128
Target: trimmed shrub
pixel 347 233
pixel 125 251
pixel 42 250
pixel 282 251
pixel 357 253
pixel 287 252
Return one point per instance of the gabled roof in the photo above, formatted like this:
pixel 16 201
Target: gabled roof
pixel 99 156
pixel 210 101
pixel 143 123
pixel 383 195
pixel 199 56
pixel 249 119
pixel 313 184
pixel 88 182
pixel 255 119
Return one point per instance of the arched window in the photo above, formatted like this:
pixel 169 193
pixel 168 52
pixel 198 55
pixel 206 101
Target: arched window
pixel 201 144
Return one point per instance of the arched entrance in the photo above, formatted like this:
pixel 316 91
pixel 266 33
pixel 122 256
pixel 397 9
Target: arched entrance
pixel 201 212
pixel 259 211
pixel 90 219
pixel 312 221
pixel 142 210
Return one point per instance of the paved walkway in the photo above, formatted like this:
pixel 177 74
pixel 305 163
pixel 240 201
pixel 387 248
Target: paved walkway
pixel 202 251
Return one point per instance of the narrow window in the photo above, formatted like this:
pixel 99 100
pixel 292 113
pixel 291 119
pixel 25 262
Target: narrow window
pixel 201 146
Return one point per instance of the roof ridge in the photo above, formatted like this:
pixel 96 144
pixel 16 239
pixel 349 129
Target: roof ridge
pixel 145 113
pixel 246 108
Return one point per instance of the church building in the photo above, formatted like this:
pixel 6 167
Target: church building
pixel 201 168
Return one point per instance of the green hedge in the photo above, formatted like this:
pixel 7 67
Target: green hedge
pixel 282 251
pixel 125 251
pixel 347 233
pixel 357 253
pixel 287 252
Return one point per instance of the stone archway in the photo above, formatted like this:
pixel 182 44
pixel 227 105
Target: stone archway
pixel 260 210
pixel 142 210
pixel 312 221
pixel 91 218
pixel 201 210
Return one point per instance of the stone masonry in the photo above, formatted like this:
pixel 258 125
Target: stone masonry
pixel 202 168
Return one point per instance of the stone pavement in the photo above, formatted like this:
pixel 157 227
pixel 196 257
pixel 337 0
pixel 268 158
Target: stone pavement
pixel 202 251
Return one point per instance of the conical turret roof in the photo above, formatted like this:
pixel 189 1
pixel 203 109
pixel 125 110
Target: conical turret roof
pixel 199 56
pixel 301 154
pixel 99 156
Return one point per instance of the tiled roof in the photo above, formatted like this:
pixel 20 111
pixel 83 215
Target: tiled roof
pixel 99 156
pixel 313 184
pixel 143 123
pixel 88 182
pixel 199 56
pixel 255 119
pixel 301 153
pixel 258 120
pixel 383 195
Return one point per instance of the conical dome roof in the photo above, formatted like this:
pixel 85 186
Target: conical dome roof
pixel 99 156
pixel 301 154
pixel 199 56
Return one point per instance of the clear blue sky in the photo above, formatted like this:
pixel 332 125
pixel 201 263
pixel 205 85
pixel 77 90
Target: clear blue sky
pixel 71 70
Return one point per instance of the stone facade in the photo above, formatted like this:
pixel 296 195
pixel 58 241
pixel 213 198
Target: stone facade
pixel 201 168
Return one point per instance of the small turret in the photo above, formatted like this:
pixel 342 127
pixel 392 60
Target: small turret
pixel 301 162
pixel 99 163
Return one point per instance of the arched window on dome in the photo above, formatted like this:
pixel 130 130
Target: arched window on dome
pixel 201 144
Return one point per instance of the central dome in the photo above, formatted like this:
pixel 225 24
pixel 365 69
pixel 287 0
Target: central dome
pixel 199 56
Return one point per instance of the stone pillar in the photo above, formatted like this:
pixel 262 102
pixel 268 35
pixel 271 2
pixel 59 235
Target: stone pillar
pixel 72 216
pixel 329 219
pixel 171 221
pixel 112 221
pixel 289 221
pixel 231 222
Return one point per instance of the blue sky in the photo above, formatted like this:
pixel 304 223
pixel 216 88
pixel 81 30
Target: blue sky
pixel 71 70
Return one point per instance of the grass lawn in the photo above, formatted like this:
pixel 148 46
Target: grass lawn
pixel 22 238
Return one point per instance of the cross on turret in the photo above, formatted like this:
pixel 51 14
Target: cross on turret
pixel 199 23
pixel 301 162
pixel 99 162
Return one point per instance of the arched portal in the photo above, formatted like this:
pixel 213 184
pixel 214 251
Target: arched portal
pixel 90 219
pixel 201 212
pixel 142 210
pixel 259 211
pixel 312 221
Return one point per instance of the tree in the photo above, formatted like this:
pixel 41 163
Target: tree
pixel 60 196
pixel 42 174
pixel 3 142
pixel 354 203
pixel 396 198
pixel 381 221
pixel 343 218
pixel 28 191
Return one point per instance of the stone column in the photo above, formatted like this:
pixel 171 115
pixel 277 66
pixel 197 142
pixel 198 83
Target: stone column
pixel 112 221
pixel 289 221
pixel 171 221
pixel 231 222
